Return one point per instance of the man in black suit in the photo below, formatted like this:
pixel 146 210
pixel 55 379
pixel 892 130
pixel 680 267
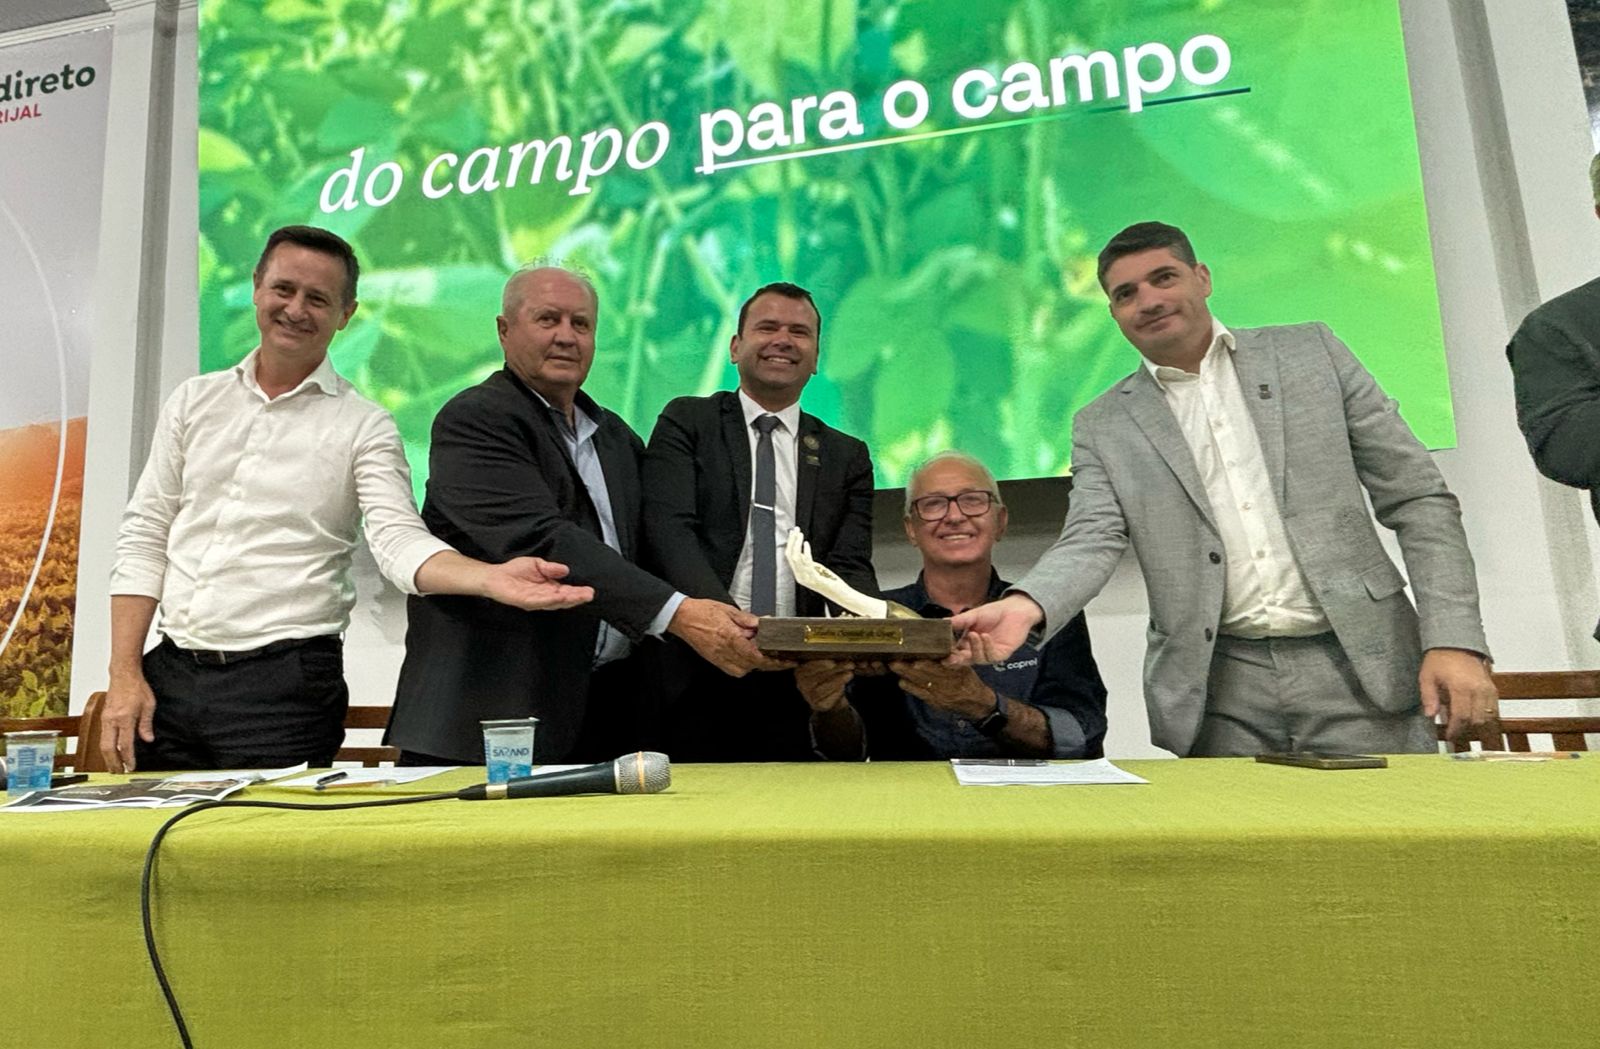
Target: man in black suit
pixel 713 534
pixel 526 461
pixel 1555 361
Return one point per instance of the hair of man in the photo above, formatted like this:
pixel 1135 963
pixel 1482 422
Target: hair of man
pixel 1144 236
pixel 788 290
pixel 511 296
pixel 317 239
pixel 971 462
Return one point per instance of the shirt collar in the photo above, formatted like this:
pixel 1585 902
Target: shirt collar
pixel 586 424
pixel 917 599
pixel 323 377
pixel 1163 375
pixel 789 417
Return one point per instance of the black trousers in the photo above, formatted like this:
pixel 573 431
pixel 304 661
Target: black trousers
pixel 758 717
pixel 278 709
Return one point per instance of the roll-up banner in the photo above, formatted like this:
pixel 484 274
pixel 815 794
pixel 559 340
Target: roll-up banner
pixel 53 107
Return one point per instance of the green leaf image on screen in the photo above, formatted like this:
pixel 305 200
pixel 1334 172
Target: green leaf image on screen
pixel 950 247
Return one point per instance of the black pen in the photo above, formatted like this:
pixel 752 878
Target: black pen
pixel 332 777
pixel 1022 762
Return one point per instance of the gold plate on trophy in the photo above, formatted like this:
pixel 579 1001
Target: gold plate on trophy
pixel 807 637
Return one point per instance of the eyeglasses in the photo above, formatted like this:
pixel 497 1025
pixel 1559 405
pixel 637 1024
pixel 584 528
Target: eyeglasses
pixel 934 507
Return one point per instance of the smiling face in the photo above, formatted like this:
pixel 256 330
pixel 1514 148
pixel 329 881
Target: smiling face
pixel 547 332
pixel 1159 302
pixel 300 304
pixel 957 538
pixel 776 349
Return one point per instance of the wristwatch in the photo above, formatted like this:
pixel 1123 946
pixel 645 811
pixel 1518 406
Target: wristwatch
pixel 996 720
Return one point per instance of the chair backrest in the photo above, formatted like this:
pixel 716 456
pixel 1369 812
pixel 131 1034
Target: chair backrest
pixel 81 732
pixel 367 718
pixel 1518 689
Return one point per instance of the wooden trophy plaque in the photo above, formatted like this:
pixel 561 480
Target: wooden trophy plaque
pixel 851 638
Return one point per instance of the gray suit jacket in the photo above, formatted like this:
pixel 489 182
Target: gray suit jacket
pixel 1327 432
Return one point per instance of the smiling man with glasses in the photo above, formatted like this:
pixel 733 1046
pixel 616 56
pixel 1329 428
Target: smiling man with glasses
pixel 971 504
pixel 1045 701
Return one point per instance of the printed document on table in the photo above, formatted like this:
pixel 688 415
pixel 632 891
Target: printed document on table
pixel 1076 773
pixel 369 777
pixel 139 794
pixel 246 775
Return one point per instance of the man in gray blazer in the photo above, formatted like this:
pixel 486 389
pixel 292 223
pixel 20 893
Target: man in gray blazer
pixel 1234 463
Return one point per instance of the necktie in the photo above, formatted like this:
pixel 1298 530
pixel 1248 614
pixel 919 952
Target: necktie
pixel 764 523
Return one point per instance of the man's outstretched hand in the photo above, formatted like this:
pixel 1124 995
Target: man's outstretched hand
pixel 533 584
pixel 990 633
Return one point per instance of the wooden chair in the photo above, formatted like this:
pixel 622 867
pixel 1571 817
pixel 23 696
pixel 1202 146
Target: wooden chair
pixel 369 757
pixel 81 732
pixel 83 736
pixel 1511 732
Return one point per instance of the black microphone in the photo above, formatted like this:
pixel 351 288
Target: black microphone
pixel 644 772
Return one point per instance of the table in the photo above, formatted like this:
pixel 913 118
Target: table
pixel 1226 903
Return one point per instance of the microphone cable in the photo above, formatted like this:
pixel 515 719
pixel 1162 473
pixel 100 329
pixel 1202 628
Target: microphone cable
pixel 155 843
pixel 651 772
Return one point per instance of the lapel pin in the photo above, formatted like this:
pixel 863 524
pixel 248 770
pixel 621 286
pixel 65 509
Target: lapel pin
pixel 1266 392
pixel 812 460
pixel 811 442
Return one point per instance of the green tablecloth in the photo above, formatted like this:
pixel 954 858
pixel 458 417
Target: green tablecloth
pixel 1434 903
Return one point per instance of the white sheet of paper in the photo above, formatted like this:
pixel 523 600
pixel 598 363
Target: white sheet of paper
pixel 1053 775
pixel 389 774
pixel 248 775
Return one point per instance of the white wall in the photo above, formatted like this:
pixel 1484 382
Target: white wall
pixel 145 301
pixel 1505 144
pixel 1504 141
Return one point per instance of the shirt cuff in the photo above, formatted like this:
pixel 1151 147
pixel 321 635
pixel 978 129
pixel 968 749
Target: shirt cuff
pixel 406 562
pixel 1066 735
pixel 1041 632
pixel 658 625
pixel 138 579
pixel 1481 651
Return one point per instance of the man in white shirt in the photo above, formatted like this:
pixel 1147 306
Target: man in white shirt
pixel 1234 463
pixel 241 530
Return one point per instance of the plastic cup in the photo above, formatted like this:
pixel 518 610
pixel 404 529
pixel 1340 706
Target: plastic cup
pixel 30 758
pixel 508 748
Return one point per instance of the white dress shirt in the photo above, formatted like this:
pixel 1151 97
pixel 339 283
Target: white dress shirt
pixel 1265 594
pixel 244 519
pixel 784 449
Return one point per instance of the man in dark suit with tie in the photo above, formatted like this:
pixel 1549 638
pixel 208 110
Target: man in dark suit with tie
pixel 725 478
pixel 526 461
